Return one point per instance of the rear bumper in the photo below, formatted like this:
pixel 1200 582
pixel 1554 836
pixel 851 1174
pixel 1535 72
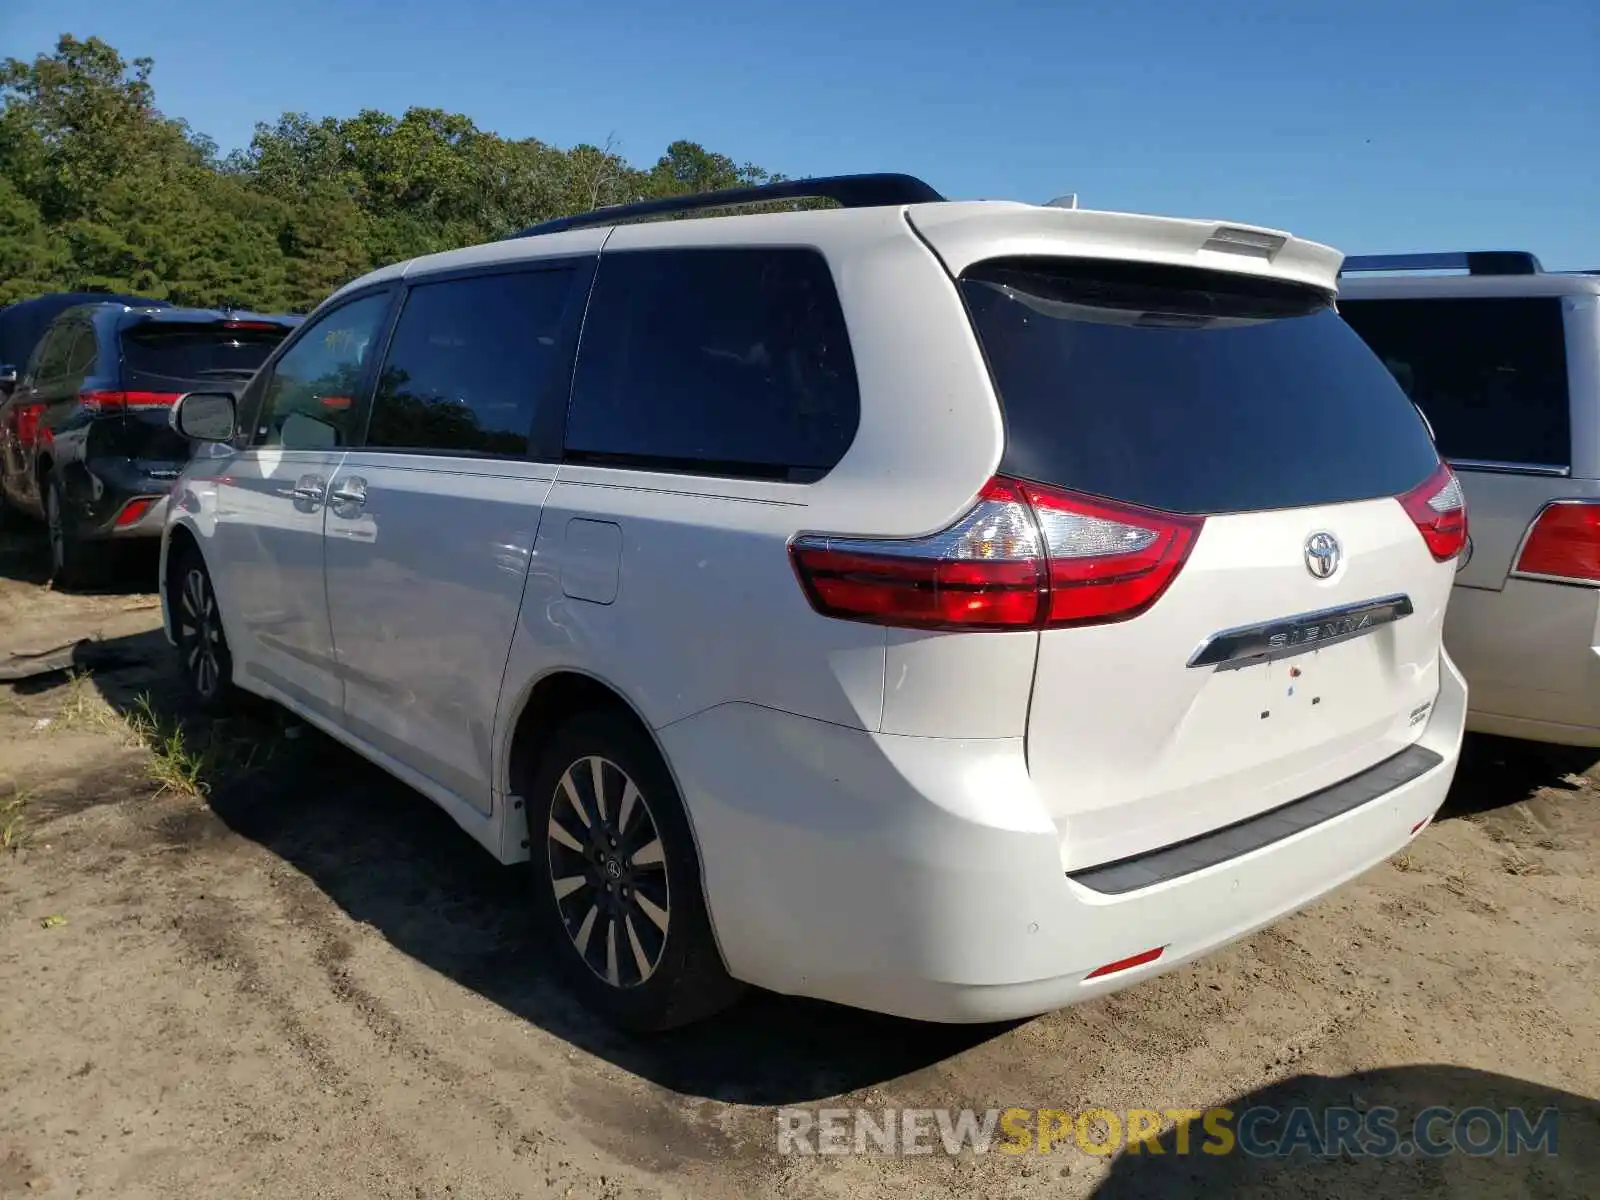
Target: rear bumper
pixel 922 877
pixel 1531 655
pixel 102 490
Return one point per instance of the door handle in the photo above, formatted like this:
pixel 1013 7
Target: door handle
pixel 350 492
pixel 309 488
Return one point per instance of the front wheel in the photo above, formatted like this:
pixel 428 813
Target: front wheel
pixel 197 628
pixel 616 878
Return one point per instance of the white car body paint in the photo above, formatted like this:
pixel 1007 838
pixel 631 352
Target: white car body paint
pixel 885 817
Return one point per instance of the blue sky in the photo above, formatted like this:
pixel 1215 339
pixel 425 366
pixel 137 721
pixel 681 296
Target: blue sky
pixel 1402 125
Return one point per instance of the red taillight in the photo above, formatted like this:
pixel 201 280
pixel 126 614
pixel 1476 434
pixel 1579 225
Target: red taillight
pixel 1023 557
pixel 1439 508
pixel 1564 543
pixel 251 325
pixel 118 401
pixel 1107 561
pixel 28 424
pixel 133 510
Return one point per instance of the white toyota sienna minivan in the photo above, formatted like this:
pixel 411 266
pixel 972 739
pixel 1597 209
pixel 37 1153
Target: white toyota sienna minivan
pixel 957 610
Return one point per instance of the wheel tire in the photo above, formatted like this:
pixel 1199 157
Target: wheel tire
pixel 628 922
pixel 74 563
pixel 203 654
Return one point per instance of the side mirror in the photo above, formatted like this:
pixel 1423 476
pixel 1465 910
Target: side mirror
pixel 203 416
pixel 8 380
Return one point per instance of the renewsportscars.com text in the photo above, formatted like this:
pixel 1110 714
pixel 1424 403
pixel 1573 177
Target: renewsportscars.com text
pixel 1260 1131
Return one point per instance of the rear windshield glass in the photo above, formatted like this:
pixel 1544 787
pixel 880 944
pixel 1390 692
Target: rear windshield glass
pixel 1491 374
pixel 197 351
pixel 1189 391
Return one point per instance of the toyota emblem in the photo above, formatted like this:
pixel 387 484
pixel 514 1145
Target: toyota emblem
pixel 1322 554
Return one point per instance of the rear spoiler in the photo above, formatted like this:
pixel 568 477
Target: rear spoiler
pixel 965 233
pixel 226 319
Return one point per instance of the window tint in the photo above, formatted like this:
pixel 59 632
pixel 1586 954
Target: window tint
pixel 469 361
pixel 309 403
pixel 197 351
pixel 724 362
pixel 82 349
pixel 49 362
pixel 1491 375
pixel 1187 390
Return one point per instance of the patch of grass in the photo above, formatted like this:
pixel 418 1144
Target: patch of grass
pixel 13 820
pixel 176 764
pixel 82 707
pixel 188 758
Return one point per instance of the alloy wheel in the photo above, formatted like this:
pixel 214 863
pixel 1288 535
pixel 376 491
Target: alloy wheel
pixel 200 632
pixel 608 871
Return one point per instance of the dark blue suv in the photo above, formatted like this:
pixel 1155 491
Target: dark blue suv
pixel 84 441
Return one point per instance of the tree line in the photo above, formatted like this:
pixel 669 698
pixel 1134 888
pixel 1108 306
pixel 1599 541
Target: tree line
pixel 99 190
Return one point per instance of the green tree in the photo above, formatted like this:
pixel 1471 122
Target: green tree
pixel 99 189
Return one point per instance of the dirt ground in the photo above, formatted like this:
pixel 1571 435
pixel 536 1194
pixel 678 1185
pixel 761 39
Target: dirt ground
pixel 237 961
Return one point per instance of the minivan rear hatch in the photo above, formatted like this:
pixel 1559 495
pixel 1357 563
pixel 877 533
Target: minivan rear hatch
pixel 1294 641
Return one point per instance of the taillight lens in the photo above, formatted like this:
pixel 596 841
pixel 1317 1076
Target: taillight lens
pixel 28 416
pixel 120 401
pixel 1564 542
pixel 134 510
pixel 1438 506
pixel 1023 557
pixel 1108 562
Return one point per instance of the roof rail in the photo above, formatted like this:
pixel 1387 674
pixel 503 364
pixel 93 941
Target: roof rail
pixel 849 191
pixel 1474 262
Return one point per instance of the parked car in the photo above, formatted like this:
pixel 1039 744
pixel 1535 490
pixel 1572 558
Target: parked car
pixel 23 323
pixel 957 610
pixel 84 439
pixel 1504 360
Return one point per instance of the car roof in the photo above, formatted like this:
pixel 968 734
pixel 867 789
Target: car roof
pixel 22 324
pixel 1439 287
pixel 1007 227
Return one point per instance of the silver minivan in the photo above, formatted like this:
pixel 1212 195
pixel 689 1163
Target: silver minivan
pixel 1503 358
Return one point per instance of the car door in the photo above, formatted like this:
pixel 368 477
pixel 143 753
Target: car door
pixel 24 419
pixel 432 520
pixel 64 421
pixel 266 560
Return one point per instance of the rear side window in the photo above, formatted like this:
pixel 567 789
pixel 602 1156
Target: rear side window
pixel 197 351
pixel 49 361
pixel 1189 391
pixel 469 362
pixel 1491 374
pixel 731 362
pixel 82 351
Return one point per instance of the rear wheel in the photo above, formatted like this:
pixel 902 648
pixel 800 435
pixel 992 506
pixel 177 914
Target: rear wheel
pixel 197 628
pixel 616 878
pixel 74 562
